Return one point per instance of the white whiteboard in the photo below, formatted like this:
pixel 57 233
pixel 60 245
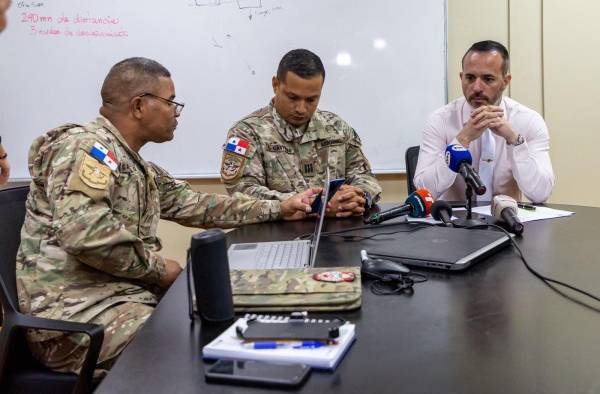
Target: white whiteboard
pixel 385 63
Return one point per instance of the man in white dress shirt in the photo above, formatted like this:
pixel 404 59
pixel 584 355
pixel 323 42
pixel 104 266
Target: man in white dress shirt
pixel 509 142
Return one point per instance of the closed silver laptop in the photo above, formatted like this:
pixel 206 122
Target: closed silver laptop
pixel 440 247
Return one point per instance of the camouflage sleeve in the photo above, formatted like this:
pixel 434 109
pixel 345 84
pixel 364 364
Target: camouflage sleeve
pixel 358 169
pixel 79 189
pixel 246 173
pixel 179 203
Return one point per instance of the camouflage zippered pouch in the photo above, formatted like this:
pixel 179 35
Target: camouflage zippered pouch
pixel 278 290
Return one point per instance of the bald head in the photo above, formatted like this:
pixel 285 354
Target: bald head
pixel 129 78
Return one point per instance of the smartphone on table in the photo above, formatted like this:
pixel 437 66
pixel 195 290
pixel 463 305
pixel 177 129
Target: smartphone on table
pixel 250 372
pixel 334 186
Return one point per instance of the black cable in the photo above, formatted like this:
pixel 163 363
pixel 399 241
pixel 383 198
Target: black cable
pixel 356 238
pixel 389 284
pixel 188 272
pixel 543 278
pixel 376 285
pixel 415 225
pixel 394 284
pixel 379 287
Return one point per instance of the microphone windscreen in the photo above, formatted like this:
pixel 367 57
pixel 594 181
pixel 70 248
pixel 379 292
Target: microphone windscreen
pixel 438 207
pixel 455 155
pixel 420 201
pixel 501 202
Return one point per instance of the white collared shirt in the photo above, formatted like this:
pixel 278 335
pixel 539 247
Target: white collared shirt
pixel 525 168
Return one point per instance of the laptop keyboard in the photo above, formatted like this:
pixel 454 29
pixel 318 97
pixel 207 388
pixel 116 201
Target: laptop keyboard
pixel 286 255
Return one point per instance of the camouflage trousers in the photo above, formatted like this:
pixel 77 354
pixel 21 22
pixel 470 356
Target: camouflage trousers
pixel 67 353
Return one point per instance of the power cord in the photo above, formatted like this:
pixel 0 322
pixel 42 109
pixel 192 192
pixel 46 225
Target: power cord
pixel 414 226
pixel 390 277
pixel 397 284
pixel 389 286
pixel 549 281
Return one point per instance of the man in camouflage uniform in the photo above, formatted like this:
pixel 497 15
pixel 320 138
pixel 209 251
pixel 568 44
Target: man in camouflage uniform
pixel 89 248
pixel 287 146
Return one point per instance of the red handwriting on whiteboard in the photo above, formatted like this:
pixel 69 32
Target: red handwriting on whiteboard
pixel 32 17
pixel 75 25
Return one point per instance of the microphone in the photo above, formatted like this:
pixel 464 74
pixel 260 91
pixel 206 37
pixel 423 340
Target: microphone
pixel 459 160
pixel 504 209
pixel 417 205
pixel 442 211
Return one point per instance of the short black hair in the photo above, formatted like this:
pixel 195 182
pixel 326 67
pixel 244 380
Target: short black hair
pixel 301 62
pixel 489 46
pixel 131 77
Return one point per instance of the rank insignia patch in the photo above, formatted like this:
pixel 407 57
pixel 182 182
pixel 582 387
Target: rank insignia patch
pixel 232 166
pixel 93 173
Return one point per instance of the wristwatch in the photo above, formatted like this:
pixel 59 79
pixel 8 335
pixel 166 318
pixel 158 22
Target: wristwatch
pixel 520 140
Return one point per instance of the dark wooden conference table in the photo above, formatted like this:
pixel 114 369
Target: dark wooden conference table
pixel 494 328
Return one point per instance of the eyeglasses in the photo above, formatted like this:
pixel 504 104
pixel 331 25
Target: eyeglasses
pixel 178 106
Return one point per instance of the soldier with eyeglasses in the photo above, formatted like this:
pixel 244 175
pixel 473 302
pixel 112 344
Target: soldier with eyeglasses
pixel 89 248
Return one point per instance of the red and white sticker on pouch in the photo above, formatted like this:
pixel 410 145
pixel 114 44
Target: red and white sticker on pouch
pixel 334 276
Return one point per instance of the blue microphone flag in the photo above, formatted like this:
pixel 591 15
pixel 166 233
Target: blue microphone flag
pixel 457 154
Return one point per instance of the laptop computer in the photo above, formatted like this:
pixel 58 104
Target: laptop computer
pixel 446 248
pixel 280 254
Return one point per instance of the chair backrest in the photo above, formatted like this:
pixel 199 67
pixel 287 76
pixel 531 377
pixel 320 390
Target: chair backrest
pixel 411 158
pixel 19 371
pixel 12 215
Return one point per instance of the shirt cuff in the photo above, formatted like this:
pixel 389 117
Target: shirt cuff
pixel 368 200
pixel 158 270
pixel 284 196
pixel 455 142
pixel 520 152
pixel 273 209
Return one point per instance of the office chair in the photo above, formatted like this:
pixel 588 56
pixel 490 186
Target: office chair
pixel 411 158
pixel 19 371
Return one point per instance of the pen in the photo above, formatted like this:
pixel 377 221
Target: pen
pixel 526 206
pixel 284 345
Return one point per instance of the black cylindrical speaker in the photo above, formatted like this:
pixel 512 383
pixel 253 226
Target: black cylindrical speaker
pixel 210 269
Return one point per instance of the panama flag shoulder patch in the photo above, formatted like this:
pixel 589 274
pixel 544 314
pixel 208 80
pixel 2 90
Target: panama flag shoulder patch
pixel 103 155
